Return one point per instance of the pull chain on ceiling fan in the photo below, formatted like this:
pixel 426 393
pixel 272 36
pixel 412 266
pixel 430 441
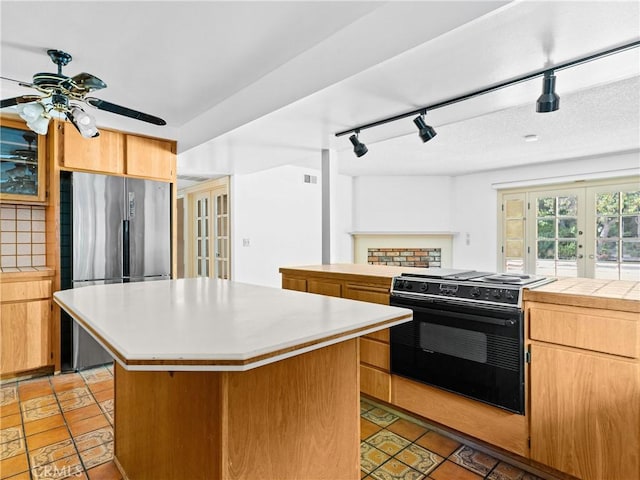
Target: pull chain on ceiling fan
pixel 58 94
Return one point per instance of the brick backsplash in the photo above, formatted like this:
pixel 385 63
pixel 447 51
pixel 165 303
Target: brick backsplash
pixel 404 257
pixel 22 236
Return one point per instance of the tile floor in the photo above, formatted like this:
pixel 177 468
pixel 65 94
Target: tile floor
pixel 61 426
pixel 394 448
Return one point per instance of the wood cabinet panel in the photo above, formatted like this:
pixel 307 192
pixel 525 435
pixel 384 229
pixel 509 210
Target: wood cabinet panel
pixel 367 293
pixel 24 335
pixel 323 287
pixel 375 382
pixel 605 331
pixel 375 353
pixel 21 291
pixel 150 158
pixel 382 335
pixel 103 154
pixel 494 425
pixel 290 283
pixel 585 413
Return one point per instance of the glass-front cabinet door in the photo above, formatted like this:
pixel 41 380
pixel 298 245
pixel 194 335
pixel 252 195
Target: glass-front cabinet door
pixel 22 165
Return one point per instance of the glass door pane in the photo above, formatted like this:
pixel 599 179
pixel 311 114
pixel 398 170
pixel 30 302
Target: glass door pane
pixel 513 242
pixel 201 236
pixel 558 244
pixel 617 235
pixel 221 235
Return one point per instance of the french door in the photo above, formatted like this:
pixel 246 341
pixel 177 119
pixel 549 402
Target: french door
pixel 209 217
pixel 593 232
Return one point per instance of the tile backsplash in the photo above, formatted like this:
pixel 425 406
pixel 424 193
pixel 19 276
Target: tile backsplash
pixel 22 236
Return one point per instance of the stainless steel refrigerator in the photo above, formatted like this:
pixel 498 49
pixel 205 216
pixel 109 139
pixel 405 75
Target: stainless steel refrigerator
pixel 113 230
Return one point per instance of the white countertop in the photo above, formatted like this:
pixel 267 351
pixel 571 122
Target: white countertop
pixel 208 324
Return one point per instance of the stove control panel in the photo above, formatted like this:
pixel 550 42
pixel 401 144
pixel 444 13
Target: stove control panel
pixel 460 290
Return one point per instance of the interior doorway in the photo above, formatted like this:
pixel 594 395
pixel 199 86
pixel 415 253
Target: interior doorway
pixel 208 240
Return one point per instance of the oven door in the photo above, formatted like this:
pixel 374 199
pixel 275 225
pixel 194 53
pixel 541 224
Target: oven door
pixel 475 351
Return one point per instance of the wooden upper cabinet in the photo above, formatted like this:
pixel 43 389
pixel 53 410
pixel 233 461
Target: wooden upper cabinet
pixel 22 162
pixel 150 158
pixel 103 154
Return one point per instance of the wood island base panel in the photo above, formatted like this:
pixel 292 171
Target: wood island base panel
pixel 258 424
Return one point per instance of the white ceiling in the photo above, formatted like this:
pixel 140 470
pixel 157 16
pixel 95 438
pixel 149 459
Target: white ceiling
pixel 246 86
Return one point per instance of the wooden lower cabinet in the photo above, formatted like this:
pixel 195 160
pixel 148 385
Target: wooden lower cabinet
pixel 375 382
pixel 25 313
pixel 324 287
pixel 585 413
pixel 493 425
pixel 367 293
pixel 375 378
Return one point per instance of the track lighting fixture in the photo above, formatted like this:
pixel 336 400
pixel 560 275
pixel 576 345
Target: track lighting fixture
pixel 359 148
pixel 548 101
pixel 425 132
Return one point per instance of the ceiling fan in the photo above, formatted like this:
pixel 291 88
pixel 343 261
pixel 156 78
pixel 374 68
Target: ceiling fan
pixel 58 93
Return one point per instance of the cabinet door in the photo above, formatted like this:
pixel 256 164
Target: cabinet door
pixel 24 335
pixel 22 163
pixel 103 154
pixel 585 413
pixel 150 158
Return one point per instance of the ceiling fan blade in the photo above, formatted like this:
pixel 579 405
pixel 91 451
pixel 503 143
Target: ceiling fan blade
pixel 127 112
pixel 10 102
pixel 19 82
pixel 88 82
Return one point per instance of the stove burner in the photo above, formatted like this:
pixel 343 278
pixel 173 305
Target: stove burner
pixel 508 278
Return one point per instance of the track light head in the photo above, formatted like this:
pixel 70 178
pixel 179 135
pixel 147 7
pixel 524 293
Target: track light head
pixel 425 132
pixel 548 101
pixel 359 148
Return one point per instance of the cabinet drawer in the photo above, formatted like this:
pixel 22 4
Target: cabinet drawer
pixel 587 328
pixel 367 293
pixel 374 353
pixel 332 289
pixel 299 284
pixel 382 335
pixel 375 382
pixel 17 291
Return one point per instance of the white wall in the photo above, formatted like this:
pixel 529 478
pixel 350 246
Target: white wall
pixel 281 217
pixel 475 208
pixel 402 204
pixel 465 205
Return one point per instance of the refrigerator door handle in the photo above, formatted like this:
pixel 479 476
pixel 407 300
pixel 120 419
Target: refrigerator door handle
pixel 125 250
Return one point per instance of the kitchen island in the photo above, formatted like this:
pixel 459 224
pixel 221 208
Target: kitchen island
pixel 217 379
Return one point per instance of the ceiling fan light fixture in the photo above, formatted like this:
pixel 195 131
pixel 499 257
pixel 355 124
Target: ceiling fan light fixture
pixel 425 132
pixel 39 125
pixel 84 123
pixel 549 101
pixel 30 112
pixel 359 148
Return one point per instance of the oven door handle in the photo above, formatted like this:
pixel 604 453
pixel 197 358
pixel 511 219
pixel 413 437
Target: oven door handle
pixel 467 316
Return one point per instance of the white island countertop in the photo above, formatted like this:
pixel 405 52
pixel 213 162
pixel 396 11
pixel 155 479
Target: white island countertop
pixel 205 324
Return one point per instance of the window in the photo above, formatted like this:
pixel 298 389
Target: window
pixel 592 231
